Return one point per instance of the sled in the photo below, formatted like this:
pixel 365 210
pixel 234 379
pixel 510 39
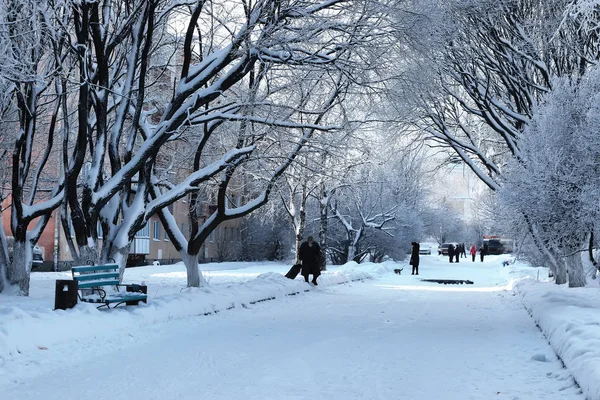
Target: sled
pixel 294 271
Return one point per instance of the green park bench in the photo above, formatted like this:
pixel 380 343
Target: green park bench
pixel 93 279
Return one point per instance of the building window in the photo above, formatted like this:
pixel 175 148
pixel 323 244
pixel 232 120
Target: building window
pixel 211 236
pixel 183 229
pixel 144 232
pixel 166 236
pixel 156 228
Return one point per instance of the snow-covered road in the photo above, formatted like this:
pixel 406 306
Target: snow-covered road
pixel 392 338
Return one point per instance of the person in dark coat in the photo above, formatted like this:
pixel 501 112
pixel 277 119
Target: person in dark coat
pixel 463 251
pixel 310 257
pixel 414 258
pixel 484 251
pixel 457 252
pixel 451 251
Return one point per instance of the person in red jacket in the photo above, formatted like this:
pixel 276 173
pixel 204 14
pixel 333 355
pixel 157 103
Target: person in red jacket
pixel 473 252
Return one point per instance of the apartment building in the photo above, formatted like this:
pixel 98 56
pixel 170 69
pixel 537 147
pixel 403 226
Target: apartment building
pixel 150 244
pixel 456 185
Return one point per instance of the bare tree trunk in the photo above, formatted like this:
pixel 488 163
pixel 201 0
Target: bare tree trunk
pixel 4 259
pixel 118 256
pixel 560 273
pixel 21 266
pixel 299 240
pixel 557 267
pixel 324 224
pixel 576 271
pixel 87 255
pixel 591 250
pixel 194 275
pixel 301 222
pixel 352 241
pixel 351 253
pixel 354 237
pixel 3 277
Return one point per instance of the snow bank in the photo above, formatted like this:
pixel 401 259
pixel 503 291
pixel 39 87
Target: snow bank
pixel 570 320
pixel 30 324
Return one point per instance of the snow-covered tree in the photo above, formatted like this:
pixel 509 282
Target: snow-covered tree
pixel 443 224
pixel 30 70
pixel 265 235
pixel 497 59
pixel 555 181
pixel 491 62
pixel 123 127
pixel 378 212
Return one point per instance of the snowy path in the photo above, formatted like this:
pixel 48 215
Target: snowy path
pixel 373 340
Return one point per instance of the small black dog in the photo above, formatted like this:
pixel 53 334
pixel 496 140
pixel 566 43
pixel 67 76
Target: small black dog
pixel 399 271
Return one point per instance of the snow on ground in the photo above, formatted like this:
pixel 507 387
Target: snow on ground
pixel 392 337
pixel 570 319
pixel 28 324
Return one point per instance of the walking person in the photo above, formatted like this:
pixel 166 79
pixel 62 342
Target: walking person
pixel 473 252
pixel 483 251
pixel 414 258
pixel 451 251
pixel 310 257
pixel 463 249
pixel 457 252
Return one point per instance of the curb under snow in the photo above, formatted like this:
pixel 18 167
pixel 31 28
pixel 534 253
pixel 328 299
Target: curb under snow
pixel 569 318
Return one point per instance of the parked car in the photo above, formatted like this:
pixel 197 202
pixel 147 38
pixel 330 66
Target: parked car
pixel 495 246
pixel 443 250
pixel 425 249
pixel 38 257
pixel 37 253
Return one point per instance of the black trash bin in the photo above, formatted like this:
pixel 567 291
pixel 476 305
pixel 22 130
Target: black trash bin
pixel 65 295
pixel 138 289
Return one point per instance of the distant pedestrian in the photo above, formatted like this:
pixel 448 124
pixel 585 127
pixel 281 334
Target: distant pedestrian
pixel 463 249
pixel 451 251
pixel 457 252
pixel 414 258
pixel 310 257
pixel 483 251
pixel 473 252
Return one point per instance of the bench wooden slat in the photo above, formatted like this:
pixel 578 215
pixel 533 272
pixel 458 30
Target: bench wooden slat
pixel 93 284
pixel 97 277
pixel 116 298
pixel 87 268
pixel 125 296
